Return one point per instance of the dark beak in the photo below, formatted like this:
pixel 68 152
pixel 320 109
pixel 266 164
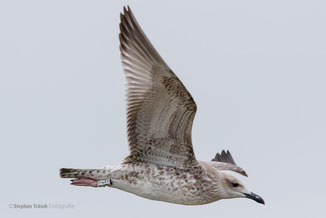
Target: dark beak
pixel 255 197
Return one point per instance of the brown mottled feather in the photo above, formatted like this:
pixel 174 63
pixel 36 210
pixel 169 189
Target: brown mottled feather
pixel 160 111
pixel 225 157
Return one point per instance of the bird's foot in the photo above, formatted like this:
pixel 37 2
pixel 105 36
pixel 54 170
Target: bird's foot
pixel 91 182
pixel 84 182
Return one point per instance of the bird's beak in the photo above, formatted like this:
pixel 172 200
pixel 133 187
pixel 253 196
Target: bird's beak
pixel 255 197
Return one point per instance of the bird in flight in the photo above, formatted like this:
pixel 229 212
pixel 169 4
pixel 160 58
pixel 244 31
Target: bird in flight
pixel 160 111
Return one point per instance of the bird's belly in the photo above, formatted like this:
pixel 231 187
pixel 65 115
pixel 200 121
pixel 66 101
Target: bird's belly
pixel 162 184
pixel 160 191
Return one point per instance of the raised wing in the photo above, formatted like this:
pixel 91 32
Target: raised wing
pixel 225 157
pixel 224 161
pixel 160 111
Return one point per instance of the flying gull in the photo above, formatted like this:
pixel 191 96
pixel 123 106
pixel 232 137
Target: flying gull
pixel 160 111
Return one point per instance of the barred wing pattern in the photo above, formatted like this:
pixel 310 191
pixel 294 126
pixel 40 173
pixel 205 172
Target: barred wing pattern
pixel 160 111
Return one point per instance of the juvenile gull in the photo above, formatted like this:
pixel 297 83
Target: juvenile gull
pixel 160 111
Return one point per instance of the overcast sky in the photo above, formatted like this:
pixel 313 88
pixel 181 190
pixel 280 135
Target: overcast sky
pixel 256 70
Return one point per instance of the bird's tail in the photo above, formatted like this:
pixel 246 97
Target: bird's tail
pixel 96 174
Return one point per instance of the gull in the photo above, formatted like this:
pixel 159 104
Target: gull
pixel 160 111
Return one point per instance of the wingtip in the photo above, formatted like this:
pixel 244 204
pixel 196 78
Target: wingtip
pixel 126 9
pixel 244 173
pixel 224 156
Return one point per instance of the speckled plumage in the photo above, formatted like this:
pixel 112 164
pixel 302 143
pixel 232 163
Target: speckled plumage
pixel 160 112
pixel 191 186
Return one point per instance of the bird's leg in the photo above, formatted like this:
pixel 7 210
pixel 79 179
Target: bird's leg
pixel 91 182
pixel 84 182
pixel 104 182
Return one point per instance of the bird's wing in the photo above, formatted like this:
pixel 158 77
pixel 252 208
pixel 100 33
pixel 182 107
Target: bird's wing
pixel 224 161
pixel 160 110
pixel 224 157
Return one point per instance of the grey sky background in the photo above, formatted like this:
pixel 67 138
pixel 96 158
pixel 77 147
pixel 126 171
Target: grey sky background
pixel 256 70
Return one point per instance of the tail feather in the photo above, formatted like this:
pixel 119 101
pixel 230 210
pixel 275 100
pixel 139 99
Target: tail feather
pixel 83 173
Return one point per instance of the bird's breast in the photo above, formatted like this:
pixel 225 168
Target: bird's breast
pixel 163 183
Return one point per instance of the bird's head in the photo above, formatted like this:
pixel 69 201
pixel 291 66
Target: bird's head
pixel 234 188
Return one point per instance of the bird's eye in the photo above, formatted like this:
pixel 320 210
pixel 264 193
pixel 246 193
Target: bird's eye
pixel 235 185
